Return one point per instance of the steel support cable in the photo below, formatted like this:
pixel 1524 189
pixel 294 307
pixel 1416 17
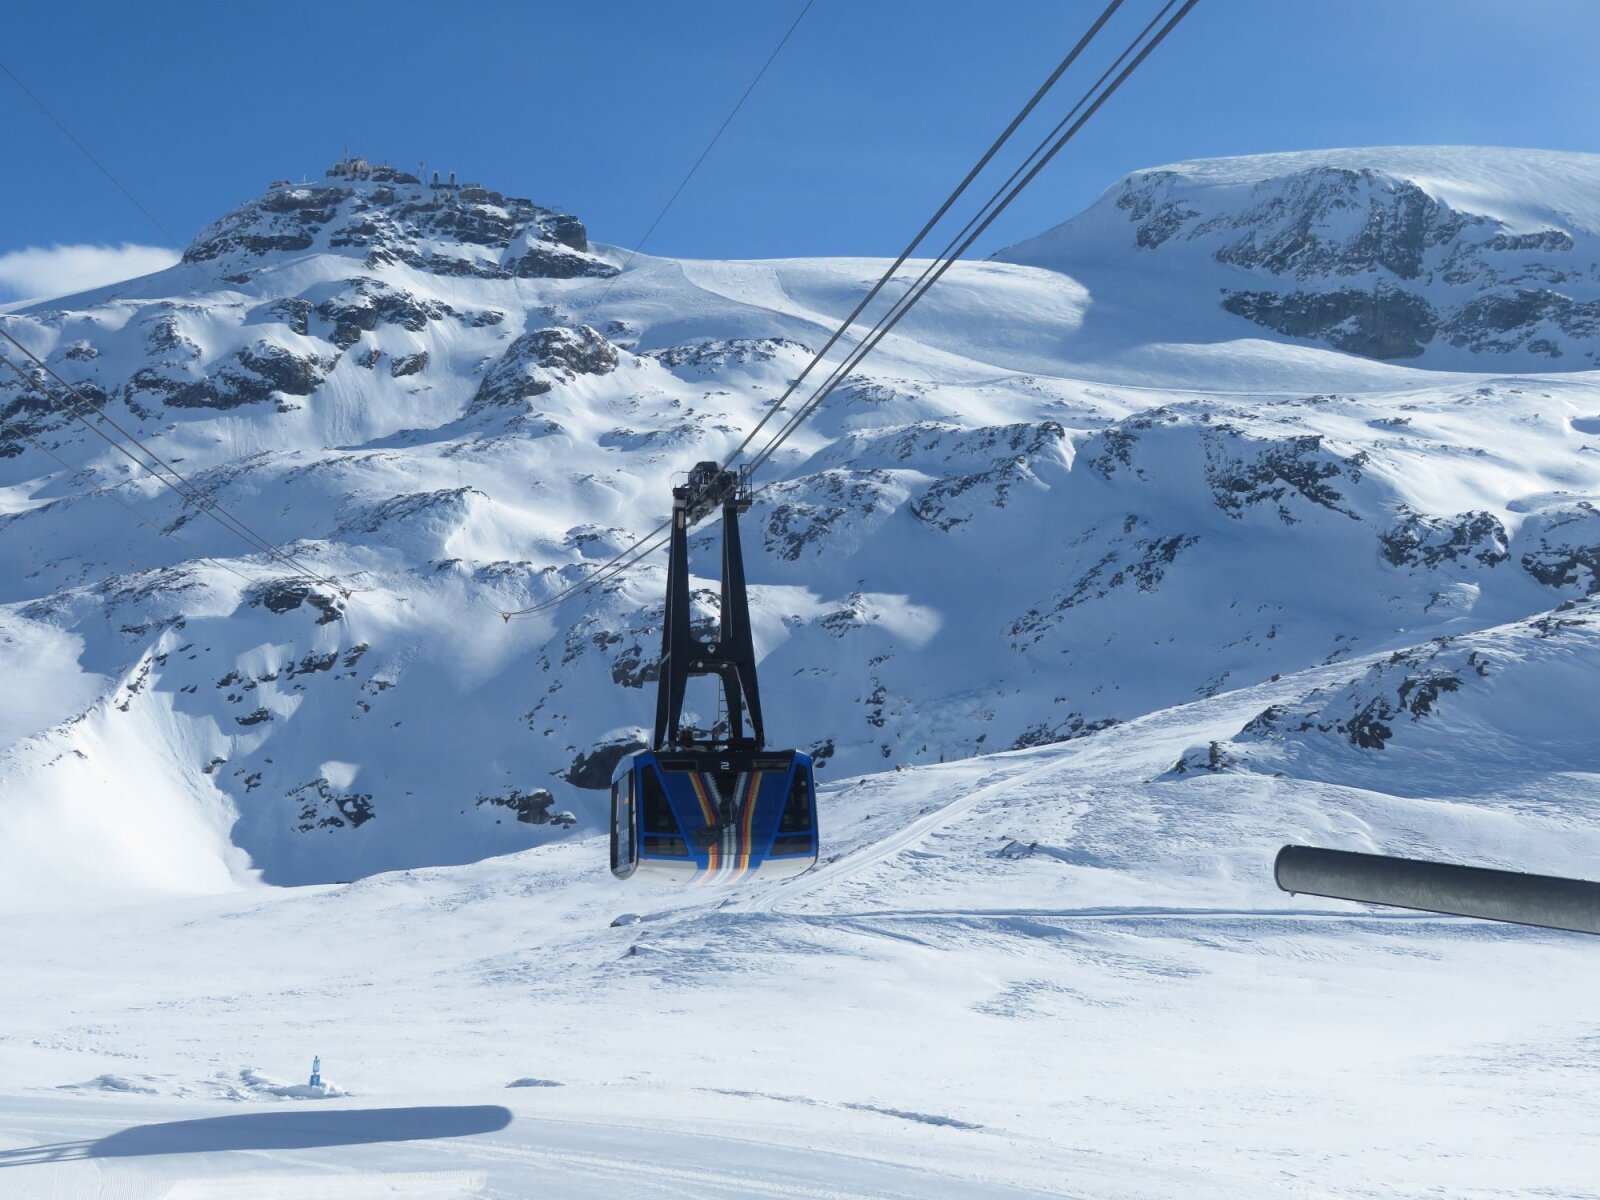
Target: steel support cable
pixel 84 150
pixel 183 488
pixel 912 297
pixel 988 156
pixel 927 228
pixel 1044 154
pixel 613 569
pixel 110 493
pixel 193 496
pixel 955 246
pixel 715 138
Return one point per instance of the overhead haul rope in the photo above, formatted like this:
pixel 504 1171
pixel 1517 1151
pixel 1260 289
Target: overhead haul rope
pixel 606 571
pixel 110 494
pixel 715 138
pixel 163 471
pixel 639 549
pixel 927 228
pixel 1040 157
pixel 1047 149
pixel 84 150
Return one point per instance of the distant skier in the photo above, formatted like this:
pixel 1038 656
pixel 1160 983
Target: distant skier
pixel 316 1070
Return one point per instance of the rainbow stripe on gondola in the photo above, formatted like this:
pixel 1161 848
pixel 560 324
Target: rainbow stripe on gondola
pixel 713 818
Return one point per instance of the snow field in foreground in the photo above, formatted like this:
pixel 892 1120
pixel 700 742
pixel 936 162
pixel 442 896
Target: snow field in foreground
pixel 1109 1015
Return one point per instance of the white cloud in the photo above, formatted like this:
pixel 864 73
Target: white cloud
pixel 43 272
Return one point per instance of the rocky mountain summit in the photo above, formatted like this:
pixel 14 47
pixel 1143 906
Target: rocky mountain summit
pixel 387 216
pixel 1239 419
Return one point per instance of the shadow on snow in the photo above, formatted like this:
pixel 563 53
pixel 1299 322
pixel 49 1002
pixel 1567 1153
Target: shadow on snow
pixel 298 1129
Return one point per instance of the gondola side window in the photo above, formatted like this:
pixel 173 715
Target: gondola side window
pixel 657 812
pixel 622 817
pixel 797 805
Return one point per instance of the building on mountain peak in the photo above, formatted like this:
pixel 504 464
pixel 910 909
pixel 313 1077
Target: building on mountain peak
pixel 350 167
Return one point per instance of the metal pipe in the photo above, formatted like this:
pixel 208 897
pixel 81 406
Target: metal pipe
pixel 1549 901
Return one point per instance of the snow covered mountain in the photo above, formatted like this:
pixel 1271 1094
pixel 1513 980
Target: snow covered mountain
pixel 1452 256
pixel 1239 419
pixel 1175 562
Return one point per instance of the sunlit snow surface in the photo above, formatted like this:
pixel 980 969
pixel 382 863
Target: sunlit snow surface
pixel 1303 595
pixel 1131 1009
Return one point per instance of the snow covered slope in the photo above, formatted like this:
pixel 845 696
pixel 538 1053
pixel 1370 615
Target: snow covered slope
pixel 1041 510
pixel 1062 971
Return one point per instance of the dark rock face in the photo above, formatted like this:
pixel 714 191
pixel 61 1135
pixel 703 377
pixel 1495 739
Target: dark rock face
pixel 282 221
pixel 284 371
pixel 1373 724
pixel 634 667
pixel 531 808
pixel 24 413
pixel 293 312
pixel 1431 542
pixel 1524 319
pixel 581 351
pixel 1290 233
pixel 951 501
pixel 1066 729
pixel 254 374
pixel 1141 562
pixel 286 595
pixel 808 511
pixel 1371 711
pixel 538 360
pixel 410 364
pixel 1211 757
pixel 446 502
pixel 167 341
pixel 593 769
pixel 1373 263
pixel 719 353
pixel 1384 323
pixel 1244 472
pixel 321 807
pixel 556 262
pixel 367 302
pixel 1561 549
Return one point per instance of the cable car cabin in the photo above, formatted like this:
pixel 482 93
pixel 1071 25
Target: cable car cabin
pixel 713 816
pixel 722 807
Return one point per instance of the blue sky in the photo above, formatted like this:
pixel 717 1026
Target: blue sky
pixel 874 109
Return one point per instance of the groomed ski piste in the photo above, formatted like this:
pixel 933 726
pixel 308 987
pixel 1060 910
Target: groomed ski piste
pixel 1290 592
